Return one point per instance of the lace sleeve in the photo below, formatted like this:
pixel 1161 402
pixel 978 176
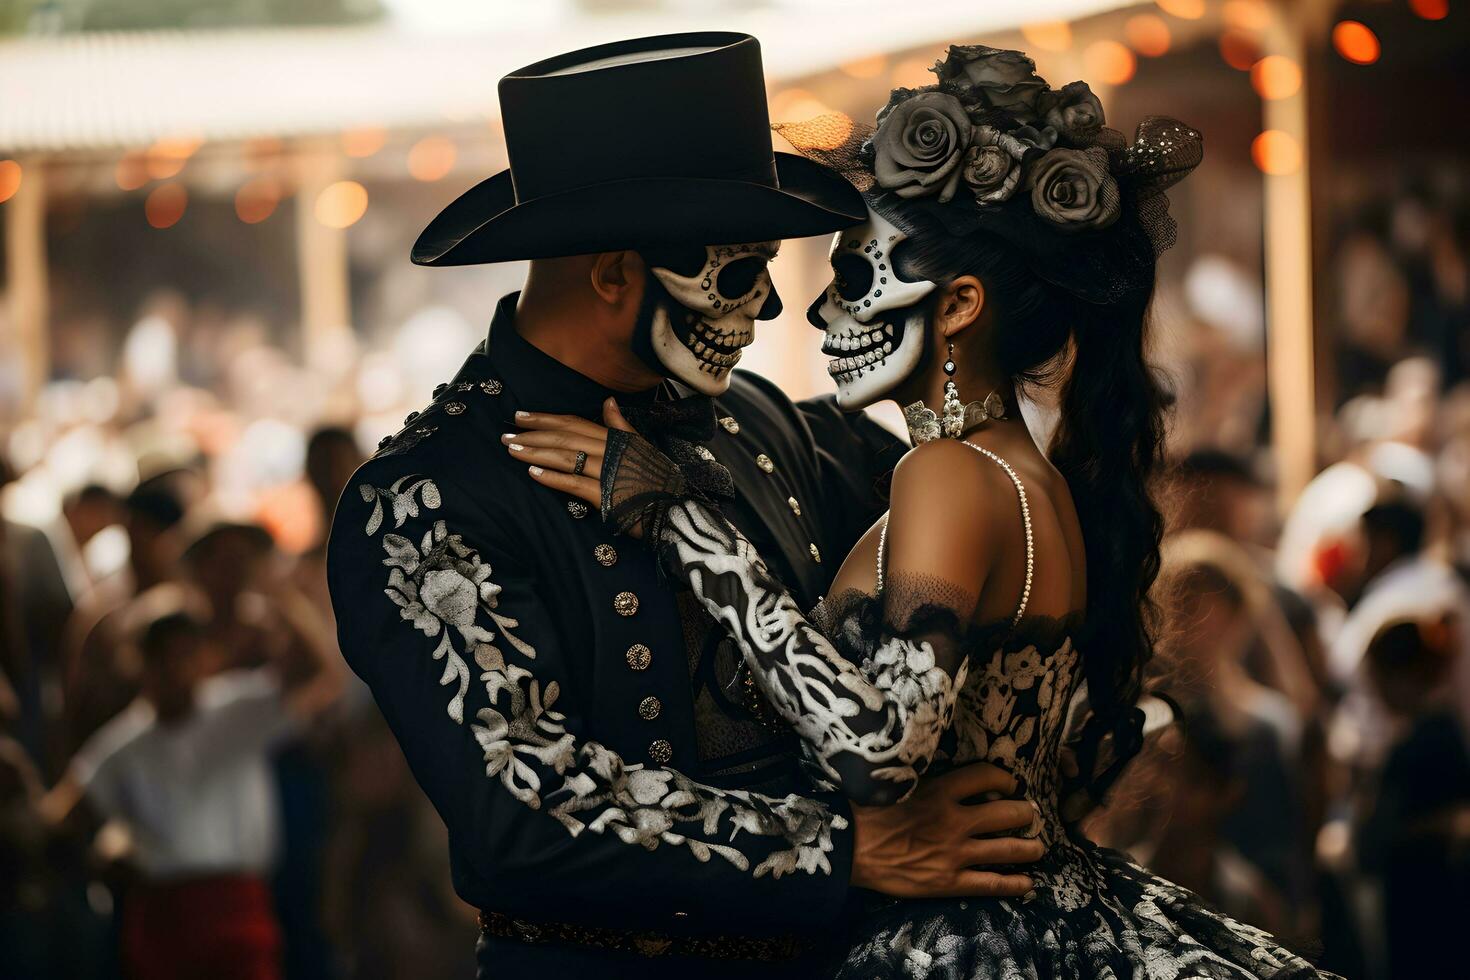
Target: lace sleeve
pixel 870 720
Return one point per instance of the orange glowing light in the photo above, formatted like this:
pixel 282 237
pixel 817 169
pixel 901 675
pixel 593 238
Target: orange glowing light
pixel 1276 152
pixel 168 156
pixel 10 175
pixel 165 205
pixel 1183 9
pixel 1248 15
pixel 431 158
pixel 1148 33
pixel 363 142
pixel 912 73
pixel 1356 42
pixel 870 66
pixel 256 200
pixel 1276 77
pixel 132 171
pixel 1239 49
pixel 797 105
pixel 1048 35
pixel 1431 9
pixel 1109 62
pixel 340 205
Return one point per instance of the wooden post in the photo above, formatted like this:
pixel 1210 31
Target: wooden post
pixel 321 256
pixel 1290 362
pixel 26 279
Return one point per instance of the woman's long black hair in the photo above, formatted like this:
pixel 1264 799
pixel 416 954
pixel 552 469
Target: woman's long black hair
pixel 1108 445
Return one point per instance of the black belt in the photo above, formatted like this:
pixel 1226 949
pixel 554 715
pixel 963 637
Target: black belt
pixel 650 943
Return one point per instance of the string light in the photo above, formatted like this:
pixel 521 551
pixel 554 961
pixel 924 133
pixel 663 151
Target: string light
pixel 1356 42
pixel 1148 34
pixel 1276 153
pixel 431 158
pixel 1048 35
pixel 1109 62
pixel 340 205
pixel 10 175
pixel 1431 9
pixel 1183 9
pixel 1276 77
pixel 256 200
pixel 364 142
pixel 165 205
pixel 1239 49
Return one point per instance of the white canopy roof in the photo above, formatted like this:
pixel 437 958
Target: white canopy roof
pixel 101 90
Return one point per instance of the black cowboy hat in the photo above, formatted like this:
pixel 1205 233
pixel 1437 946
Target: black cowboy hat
pixel 638 144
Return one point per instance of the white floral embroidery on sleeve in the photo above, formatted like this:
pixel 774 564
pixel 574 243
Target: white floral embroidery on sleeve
pixel 443 588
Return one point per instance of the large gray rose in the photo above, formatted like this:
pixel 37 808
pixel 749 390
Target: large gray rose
pixel 1073 189
pixel 993 165
pixel 1074 112
pixel 998 78
pixel 919 145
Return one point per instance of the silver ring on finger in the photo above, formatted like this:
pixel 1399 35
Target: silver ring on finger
pixel 580 464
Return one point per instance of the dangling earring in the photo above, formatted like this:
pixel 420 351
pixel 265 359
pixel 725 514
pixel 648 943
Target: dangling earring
pixel 954 409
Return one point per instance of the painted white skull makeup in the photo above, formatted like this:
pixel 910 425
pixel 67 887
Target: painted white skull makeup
pixel 719 297
pixel 873 330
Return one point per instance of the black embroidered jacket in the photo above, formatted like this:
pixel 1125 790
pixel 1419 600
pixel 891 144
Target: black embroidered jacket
pixel 535 667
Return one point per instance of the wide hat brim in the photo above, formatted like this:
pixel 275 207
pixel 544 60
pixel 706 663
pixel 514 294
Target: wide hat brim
pixel 486 224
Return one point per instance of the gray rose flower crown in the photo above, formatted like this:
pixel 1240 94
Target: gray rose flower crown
pixel 992 147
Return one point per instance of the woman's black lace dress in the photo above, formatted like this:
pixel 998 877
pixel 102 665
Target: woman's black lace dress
pixel 882 689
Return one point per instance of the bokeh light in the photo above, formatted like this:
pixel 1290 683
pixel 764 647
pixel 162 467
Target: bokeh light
pixel 1048 35
pixel 10 174
pixel 364 142
pixel 132 170
pixel 1148 34
pixel 1356 42
pixel 340 205
pixel 1109 62
pixel 1240 49
pixel 1431 9
pixel 165 205
pixel 1184 9
pixel 796 105
pixel 1247 15
pixel 913 73
pixel 867 67
pixel 168 156
pixel 431 158
pixel 1276 153
pixel 1276 77
pixel 257 199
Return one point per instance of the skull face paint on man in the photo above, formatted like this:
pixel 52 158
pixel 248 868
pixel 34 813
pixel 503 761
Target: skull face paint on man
pixel 712 296
pixel 874 329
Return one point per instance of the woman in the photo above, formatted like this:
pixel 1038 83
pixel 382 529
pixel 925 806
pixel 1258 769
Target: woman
pixel 1007 228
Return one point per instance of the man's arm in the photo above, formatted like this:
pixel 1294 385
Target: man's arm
pixel 440 614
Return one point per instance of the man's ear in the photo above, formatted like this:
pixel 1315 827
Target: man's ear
pixel 618 278
pixel 960 305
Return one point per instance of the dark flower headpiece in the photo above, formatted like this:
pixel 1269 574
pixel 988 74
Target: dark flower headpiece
pixel 991 146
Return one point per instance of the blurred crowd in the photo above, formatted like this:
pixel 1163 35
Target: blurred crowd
pixel 180 745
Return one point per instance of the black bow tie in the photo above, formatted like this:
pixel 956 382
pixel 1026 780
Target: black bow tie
pixel 680 427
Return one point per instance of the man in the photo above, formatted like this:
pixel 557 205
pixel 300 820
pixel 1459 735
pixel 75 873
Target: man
pixel 616 805
pixel 186 770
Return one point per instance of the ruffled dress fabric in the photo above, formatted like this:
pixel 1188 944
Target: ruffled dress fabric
pixel 1094 913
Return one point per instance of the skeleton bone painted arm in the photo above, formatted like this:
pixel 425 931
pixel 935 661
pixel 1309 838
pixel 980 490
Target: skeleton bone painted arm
pixel 872 729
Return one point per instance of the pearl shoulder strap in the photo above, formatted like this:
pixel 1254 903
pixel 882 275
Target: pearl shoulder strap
pixel 1025 520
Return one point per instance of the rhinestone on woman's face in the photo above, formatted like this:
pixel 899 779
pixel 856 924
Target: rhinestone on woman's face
pixel 625 603
pixel 606 555
pixel 639 657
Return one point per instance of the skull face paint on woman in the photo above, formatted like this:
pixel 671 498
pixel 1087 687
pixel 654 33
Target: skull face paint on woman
pixel 705 317
pixel 873 325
